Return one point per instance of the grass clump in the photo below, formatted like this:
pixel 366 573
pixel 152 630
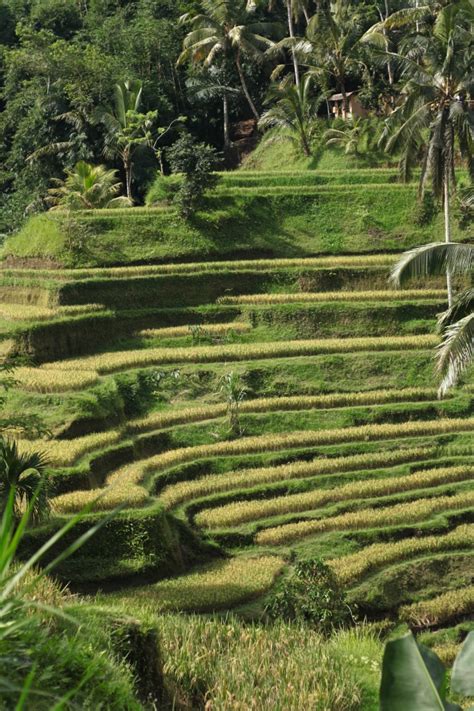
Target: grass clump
pixel 235 666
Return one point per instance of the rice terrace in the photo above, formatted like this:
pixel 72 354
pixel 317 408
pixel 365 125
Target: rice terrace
pixel 236 340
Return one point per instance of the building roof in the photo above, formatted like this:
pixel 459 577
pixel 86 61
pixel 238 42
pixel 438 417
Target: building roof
pixel 339 97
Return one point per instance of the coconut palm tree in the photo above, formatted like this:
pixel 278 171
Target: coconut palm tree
pixel 456 350
pixel 356 136
pixel 214 84
pixel 293 110
pixel 25 472
pixel 87 187
pixel 331 46
pixel 435 120
pixel 125 127
pixel 294 10
pixel 227 27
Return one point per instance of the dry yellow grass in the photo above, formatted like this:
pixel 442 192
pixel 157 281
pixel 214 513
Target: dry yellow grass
pixel 239 512
pixel 216 483
pixel 352 567
pixel 122 360
pixel 331 296
pixel 439 610
pixel 407 512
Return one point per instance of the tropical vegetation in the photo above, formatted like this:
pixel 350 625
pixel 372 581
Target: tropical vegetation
pixel 236 338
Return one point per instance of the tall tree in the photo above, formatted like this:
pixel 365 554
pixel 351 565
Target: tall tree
pixel 294 10
pixel 228 27
pixel 434 119
pixel 125 127
pixel 214 84
pixel 331 45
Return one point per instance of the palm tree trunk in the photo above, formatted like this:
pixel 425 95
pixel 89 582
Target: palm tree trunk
pixel 127 164
pixel 291 30
pixel 344 102
pixel 225 102
pixel 447 233
pixel 245 87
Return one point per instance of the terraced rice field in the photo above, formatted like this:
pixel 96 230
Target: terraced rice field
pixel 267 441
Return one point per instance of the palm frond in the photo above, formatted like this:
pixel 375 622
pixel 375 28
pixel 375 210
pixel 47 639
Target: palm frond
pixel 463 306
pixel 431 260
pixel 456 352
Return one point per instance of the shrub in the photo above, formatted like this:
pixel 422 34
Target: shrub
pixel 196 162
pixel 163 189
pixel 310 594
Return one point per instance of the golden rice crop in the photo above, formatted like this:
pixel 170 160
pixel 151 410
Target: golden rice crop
pixel 439 610
pixel 6 346
pixel 350 568
pixel 407 512
pixel 64 452
pixel 123 487
pixel 250 667
pixel 111 362
pixel 216 483
pixel 393 295
pixel 238 265
pixel 54 381
pixel 239 512
pixel 290 440
pixel 159 420
pixel 31 312
pixel 103 499
pixel 219 585
pixel 213 329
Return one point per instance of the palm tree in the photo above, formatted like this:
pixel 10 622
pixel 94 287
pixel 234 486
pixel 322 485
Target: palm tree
pixel 125 127
pixel 456 350
pixel 331 45
pixel 434 117
pixel 294 111
pixel 26 474
pixel 211 85
pixel 294 10
pixel 229 28
pixel 357 136
pixel 87 187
